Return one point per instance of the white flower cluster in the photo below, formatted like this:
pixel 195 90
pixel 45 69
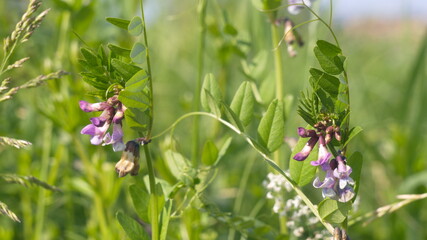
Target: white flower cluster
pixel 275 184
pixel 301 222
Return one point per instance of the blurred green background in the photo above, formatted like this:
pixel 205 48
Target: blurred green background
pixel 386 62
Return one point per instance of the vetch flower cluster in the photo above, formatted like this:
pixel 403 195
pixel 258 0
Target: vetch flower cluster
pixel 337 183
pixel 112 114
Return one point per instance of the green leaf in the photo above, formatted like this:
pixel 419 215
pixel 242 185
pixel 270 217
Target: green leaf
pixel 119 50
pixel 243 103
pixel 138 82
pixel 328 83
pixel 138 53
pixel 166 213
pixel 328 49
pixel 90 56
pixel 329 65
pixel 126 70
pixel 213 104
pixel 134 99
pixel 356 162
pixel 135 26
pixel 329 57
pixel 271 128
pixel 211 86
pixel 232 117
pixel 223 149
pixel 210 153
pixel 94 82
pixel 137 119
pixel 333 211
pixel 230 29
pixel 140 199
pixel 121 23
pixel 177 163
pixel 132 228
pixel 352 133
pixel 302 172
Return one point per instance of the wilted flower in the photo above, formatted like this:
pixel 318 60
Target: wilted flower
pixel 129 162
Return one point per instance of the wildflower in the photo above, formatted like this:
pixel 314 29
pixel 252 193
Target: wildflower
pixel 337 183
pixel 295 9
pixel 129 162
pixel 306 150
pixel 324 155
pixel 342 172
pixel 112 114
pixel 97 133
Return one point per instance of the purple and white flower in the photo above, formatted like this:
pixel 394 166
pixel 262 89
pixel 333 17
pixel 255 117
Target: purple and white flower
pixel 113 113
pixel 324 155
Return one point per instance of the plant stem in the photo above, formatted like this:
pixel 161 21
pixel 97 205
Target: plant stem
pixel 277 62
pixel 196 101
pixel 153 195
pixel 41 202
pixel 252 143
pixel 150 73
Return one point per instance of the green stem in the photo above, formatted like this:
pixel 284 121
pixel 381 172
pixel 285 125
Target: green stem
pixel 150 73
pixel 252 143
pixel 153 193
pixel 196 101
pixel 41 202
pixel 326 25
pixel 278 67
pixel 277 62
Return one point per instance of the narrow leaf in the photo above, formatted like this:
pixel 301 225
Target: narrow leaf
pixel 126 70
pixel 352 133
pixel 121 23
pixel 119 50
pixel 271 128
pixel 232 117
pixel 90 56
pixel 243 103
pixel 328 83
pixel 328 48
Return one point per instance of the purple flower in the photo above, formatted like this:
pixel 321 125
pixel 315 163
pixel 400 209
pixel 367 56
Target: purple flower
pixel 113 112
pixel 295 9
pixel 327 185
pixel 104 117
pixel 97 133
pixel 116 138
pixel 306 150
pixel 337 183
pixel 324 155
pixel 342 172
pixel 346 194
pixel 93 107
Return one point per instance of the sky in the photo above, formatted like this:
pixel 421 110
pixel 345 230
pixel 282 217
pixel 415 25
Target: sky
pixel 351 10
